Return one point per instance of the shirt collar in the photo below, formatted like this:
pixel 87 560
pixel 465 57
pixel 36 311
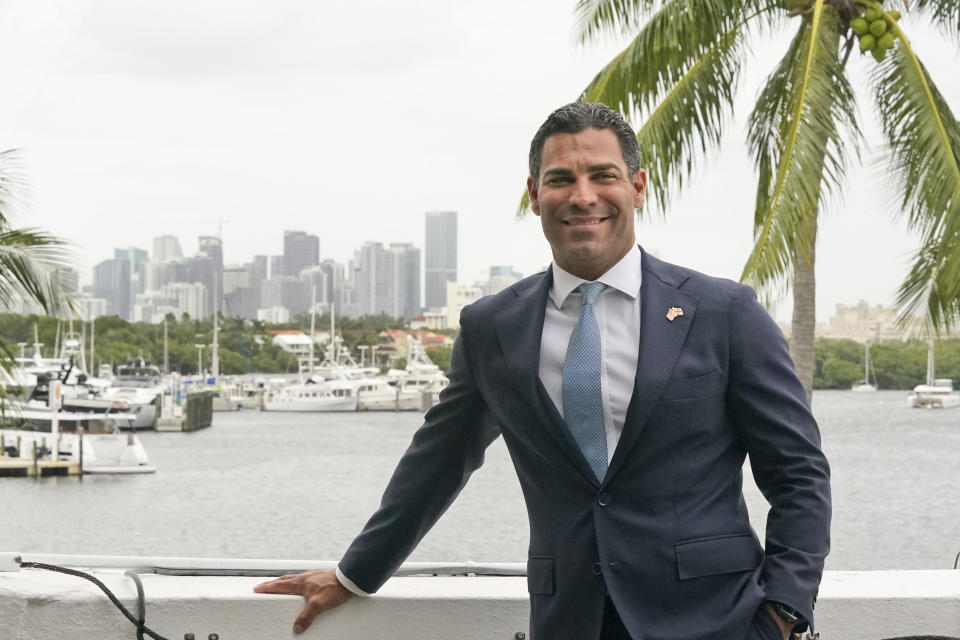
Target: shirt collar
pixel 625 276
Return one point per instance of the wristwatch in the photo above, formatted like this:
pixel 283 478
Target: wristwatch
pixel 791 615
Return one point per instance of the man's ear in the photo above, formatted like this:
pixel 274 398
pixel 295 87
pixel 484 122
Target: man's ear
pixel 640 187
pixel 532 192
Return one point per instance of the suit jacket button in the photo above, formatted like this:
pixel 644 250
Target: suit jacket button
pixel 596 569
pixel 604 499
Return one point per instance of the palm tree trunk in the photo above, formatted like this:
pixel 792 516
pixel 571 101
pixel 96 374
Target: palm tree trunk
pixel 804 313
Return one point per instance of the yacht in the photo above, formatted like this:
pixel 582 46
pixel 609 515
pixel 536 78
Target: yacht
pixel 139 385
pixel 91 439
pixel 939 395
pixel 311 396
pixel 936 393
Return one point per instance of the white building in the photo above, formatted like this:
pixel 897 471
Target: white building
pixel 459 296
pixel 189 298
pixel 862 322
pixel 274 315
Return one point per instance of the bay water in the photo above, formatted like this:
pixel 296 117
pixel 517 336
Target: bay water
pixel 300 486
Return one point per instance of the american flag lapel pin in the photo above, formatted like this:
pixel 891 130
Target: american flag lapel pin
pixel 673 313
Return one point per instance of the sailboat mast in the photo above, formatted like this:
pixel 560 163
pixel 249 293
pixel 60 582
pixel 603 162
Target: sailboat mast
pixel 313 320
pixel 166 352
pixel 333 336
pixel 930 372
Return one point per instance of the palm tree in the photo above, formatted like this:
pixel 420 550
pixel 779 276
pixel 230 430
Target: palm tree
pixel 29 258
pixel 679 74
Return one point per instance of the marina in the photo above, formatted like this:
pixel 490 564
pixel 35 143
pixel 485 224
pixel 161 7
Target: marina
pixel 230 490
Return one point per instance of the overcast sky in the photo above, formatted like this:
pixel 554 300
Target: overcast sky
pixel 350 120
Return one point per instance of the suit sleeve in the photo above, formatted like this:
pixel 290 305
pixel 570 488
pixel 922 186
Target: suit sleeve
pixel 443 454
pixel 768 405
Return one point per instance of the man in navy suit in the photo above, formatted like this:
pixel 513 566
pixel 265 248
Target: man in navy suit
pixel 629 392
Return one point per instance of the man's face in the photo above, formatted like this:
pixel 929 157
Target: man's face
pixel 585 200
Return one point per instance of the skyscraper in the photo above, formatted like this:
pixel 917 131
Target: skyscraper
pixel 300 250
pixel 441 256
pixel 212 246
pixel 111 281
pixel 404 290
pixel 388 279
pixel 166 248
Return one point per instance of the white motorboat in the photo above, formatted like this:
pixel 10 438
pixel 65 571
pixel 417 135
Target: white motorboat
pixel 939 395
pixel 138 384
pixel 421 376
pixel 310 397
pixel 91 439
pixel 377 394
pixel 936 393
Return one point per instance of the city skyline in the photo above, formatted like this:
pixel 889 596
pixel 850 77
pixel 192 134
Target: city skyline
pixel 143 287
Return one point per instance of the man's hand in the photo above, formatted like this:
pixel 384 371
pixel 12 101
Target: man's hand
pixel 785 627
pixel 321 589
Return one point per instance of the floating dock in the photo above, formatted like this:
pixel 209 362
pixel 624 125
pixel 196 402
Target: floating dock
pixel 35 461
pixel 189 412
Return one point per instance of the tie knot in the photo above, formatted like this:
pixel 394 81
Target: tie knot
pixel 590 291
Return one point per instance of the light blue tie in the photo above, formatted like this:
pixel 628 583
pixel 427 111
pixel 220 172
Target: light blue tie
pixel 582 402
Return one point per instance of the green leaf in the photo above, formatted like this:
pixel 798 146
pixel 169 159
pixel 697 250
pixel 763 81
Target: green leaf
pixel 614 17
pixel 923 152
pixel 944 13
pixel 801 131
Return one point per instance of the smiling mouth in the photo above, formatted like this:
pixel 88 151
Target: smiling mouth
pixel 577 222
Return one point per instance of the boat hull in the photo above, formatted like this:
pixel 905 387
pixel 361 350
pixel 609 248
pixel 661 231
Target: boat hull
pixel 307 405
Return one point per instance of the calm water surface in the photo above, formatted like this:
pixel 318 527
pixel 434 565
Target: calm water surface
pixel 260 485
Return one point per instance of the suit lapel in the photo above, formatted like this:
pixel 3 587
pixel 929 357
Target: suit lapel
pixel 519 330
pixel 661 341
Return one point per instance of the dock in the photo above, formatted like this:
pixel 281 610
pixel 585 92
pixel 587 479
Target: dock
pixel 186 413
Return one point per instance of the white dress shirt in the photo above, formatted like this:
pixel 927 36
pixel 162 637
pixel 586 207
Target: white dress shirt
pixel 617 309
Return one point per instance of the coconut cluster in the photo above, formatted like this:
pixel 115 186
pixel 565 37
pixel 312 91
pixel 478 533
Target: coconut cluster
pixel 873 27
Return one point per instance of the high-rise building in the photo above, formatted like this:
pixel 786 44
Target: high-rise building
pixel 404 280
pixel 133 255
pixel 276 267
pixel 212 246
pixel 189 298
pixel 200 269
pixel 111 281
pixel 166 248
pixel 501 277
pixel 136 257
pixel 300 250
pixel 388 280
pixel 440 256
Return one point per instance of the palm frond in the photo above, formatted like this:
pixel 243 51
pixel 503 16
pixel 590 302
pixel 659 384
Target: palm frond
pixel 665 48
pixel 943 13
pixel 524 205
pixel 29 262
pixel 14 187
pixel 923 152
pixel 691 117
pixel 801 132
pixel 614 17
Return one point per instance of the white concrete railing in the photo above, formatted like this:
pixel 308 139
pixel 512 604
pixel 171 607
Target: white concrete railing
pixel 37 605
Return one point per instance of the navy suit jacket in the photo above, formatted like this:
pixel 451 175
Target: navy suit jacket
pixel 666 533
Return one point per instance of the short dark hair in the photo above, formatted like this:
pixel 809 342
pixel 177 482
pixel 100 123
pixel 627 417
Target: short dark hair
pixel 574 118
